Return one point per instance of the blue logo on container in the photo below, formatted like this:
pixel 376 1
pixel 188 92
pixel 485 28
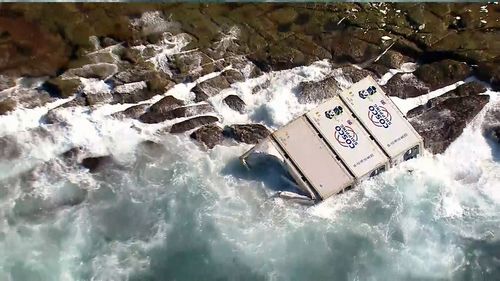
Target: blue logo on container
pixel 379 116
pixel 346 136
pixel 368 92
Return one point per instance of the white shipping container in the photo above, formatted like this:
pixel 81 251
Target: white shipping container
pixel 312 158
pixel 350 141
pixel 383 120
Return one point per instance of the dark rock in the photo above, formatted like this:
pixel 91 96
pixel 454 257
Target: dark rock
pixel 405 86
pixel 314 92
pixel 9 148
pixel 98 96
pixel 350 49
pixel 442 73
pixel 261 87
pixel 209 88
pixel 7 105
pixel 30 49
pixel 132 93
pixel 96 163
pixel 192 123
pixel 79 100
pixel 247 133
pixel 443 123
pixel 185 111
pixel 108 41
pixel 489 72
pixel 72 154
pixel 467 89
pixel 233 76
pixel 210 135
pixel 53 117
pixel 133 112
pixel 6 82
pixel 165 104
pixel 235 103
pixel 99 71
pixel 393 59
pixel 63 87
pixel 491 123
pixel 355 74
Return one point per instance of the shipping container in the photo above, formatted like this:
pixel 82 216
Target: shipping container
pixel 383 120
pixel 347 137
pixel 311 162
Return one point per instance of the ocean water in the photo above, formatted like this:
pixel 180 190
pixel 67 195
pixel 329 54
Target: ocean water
pixel 179 212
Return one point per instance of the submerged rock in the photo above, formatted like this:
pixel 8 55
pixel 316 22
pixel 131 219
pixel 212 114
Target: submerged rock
pixel 247 133
pixel 9 148
pixel 443 123
pixel 235 103
pixel 209 135
pixel 96 163
pixel 314 92
pixel 192 123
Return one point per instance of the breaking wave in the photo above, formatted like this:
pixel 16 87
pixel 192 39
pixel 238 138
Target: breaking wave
pixel 177 212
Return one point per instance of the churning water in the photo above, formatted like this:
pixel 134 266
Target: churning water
pixel 178 212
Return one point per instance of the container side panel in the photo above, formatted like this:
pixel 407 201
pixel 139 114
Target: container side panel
pixel 380 116
pixel 335 122
pixel 313 158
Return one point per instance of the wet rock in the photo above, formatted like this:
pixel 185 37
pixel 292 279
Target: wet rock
pixel 491 123
pixel 235 103
pixel 261 87
pixel 99 71
pixel 489 72
pixel 467 89
pixel 98 96
pixel 192 123
pixel 149 150
pixel 132 92
pixel 405 86
pixel 209 135
pixel 209 88
pixel 247 133
pixel 185 111
pixel 314 92
pixel 233 76
pixel 6 82
pixel 165 104
pixel 7 105
pixel 63 87
pixel 393 59
pixel 355 74
pixel 53 117
pixel 9 148
pixel 79 100
pixel 442 73
pixel 443 123
pixel 133 112
pixel 96 163
pixel 350 49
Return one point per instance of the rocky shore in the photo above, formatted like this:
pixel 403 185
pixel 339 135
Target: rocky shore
pixel 95 54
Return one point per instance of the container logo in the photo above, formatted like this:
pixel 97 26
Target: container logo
pixel 346 136
pixel 368 92
pixel 334 112
pixel 379 116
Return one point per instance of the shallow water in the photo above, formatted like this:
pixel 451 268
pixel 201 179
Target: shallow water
pixel 181 213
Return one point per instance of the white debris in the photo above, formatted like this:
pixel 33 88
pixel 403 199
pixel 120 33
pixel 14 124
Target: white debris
pixel 385 38
pixel 422 26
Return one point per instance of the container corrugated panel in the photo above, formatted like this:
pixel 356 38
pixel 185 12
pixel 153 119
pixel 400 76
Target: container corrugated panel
pixel 318 164
pixel 381 117
pixel 340 129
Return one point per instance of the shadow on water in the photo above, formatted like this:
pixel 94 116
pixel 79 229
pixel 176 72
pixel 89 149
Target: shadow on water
pixel 263 168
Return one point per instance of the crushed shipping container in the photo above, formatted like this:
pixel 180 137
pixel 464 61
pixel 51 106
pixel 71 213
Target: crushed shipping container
pixel 342 141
